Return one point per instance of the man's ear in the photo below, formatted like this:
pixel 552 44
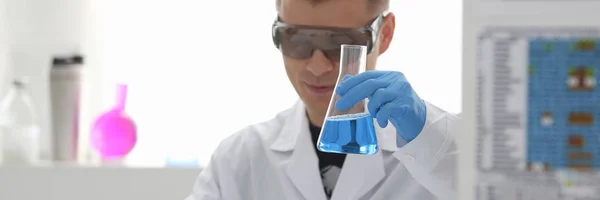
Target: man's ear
pixel 386 34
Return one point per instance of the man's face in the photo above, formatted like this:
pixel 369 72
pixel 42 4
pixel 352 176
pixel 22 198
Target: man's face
pixel 314 78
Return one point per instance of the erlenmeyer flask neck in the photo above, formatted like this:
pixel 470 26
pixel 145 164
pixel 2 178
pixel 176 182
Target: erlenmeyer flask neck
pixel 352 62
pixel 353 59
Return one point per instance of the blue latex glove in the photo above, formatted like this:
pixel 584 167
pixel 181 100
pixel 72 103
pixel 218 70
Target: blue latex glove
pixel 390 98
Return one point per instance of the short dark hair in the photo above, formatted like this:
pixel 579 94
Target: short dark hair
pixel 375 6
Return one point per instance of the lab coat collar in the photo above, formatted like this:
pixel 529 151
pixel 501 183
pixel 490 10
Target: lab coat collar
pixel 296 124
pixel 358 176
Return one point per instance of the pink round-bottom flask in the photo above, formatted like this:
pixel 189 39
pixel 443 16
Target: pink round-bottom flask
pixel 114 133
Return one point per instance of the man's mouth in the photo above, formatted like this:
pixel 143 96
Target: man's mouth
pixel 320 89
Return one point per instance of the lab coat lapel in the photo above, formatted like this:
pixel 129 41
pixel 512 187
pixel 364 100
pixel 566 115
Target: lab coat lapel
pixel 303 167
pixel 362 173
pixel 303 170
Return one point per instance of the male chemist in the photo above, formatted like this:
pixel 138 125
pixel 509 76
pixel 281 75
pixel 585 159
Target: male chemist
pixel 278 159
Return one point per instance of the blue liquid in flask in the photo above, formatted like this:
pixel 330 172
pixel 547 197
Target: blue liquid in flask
pixel 349 134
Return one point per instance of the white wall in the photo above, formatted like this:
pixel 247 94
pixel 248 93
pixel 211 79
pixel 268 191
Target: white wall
pixel 3 46
pixel 67 183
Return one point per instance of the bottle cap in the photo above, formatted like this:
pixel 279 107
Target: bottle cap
pixel 20 82
pixel 61 61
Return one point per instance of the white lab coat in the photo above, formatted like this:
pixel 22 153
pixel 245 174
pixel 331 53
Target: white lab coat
pixel 276 160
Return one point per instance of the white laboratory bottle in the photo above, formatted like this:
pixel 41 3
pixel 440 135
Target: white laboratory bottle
pixel 19 129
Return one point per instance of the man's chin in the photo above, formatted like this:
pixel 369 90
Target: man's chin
pixel 319 108
pixel 317 111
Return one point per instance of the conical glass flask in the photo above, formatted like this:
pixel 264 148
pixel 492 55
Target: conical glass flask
pixel 351 131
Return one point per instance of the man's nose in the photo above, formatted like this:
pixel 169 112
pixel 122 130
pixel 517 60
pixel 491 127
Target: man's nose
pixel 319 64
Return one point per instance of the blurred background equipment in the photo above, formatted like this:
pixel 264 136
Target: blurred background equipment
pixel 19 127
pixel 530 120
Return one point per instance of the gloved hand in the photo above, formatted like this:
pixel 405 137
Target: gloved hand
pixel 390 98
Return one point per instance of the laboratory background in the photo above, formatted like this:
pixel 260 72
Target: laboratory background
pixel 173 78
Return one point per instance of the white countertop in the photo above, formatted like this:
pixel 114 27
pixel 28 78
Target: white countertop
pixel 92 183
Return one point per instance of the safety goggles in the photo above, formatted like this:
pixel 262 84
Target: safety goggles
pixel 300 42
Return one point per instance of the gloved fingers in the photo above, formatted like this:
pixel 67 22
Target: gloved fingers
pixel 408 127
pixel 400 110
pixel 346 77
pixel 359 93
pixel 380 97
pixel 383 115
pixel 350 82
